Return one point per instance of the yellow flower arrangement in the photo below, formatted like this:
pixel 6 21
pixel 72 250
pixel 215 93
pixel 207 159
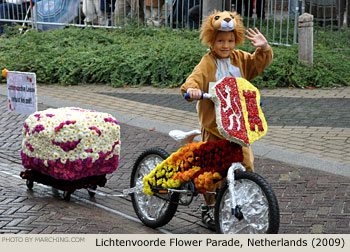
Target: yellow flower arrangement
pixel 168 174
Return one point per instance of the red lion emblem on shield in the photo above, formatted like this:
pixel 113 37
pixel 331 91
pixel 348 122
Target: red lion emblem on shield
pixel 231 117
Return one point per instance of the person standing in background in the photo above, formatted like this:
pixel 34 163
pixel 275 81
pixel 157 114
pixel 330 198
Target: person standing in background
pixel 343 5
pixel 153 10
pixel 128 9
pixel 291 8
pixel 293 4
pixel 93 14
pixel 251 5
pixel 107 7
pixel 195 12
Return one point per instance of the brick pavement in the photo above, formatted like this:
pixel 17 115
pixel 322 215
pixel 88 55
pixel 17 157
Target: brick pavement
pixel 311 201
pixel 42 211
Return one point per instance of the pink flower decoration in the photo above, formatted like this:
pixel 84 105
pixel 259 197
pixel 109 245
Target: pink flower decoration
pixel 67 146
pixel 26 127
pixel 58 128
pixel 37 117
pixel 111 120
pixel 29 146
pixel 38 128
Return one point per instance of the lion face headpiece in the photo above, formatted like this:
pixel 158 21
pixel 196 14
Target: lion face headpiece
pixel 222 21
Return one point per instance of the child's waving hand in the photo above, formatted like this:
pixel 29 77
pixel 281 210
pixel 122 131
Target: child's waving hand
pixel 257 39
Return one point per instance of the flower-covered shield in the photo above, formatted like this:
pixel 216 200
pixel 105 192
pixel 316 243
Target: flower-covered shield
pixel 238 113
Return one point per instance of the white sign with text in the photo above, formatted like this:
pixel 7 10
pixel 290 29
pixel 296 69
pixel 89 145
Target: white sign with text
pixel 22 95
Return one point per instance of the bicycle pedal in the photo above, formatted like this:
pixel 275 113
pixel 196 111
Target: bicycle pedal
pixel 159 189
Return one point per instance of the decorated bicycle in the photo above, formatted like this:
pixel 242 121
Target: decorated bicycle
pixel 245 203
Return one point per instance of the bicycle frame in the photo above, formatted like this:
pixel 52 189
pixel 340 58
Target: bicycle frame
pixel 244 203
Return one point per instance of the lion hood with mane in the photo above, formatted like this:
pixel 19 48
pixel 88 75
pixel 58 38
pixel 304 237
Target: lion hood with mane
pixel 222 21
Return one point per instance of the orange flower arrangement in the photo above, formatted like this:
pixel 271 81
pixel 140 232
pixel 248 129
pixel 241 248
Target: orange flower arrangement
pixel 203 162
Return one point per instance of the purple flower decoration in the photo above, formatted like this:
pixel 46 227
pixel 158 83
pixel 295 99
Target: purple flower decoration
pixel 111 120
pixel 38 128
pixel 37 117
pixel 59 127
pixel 30 147
pixel 67 146
pixel 26 127
pixel 71 170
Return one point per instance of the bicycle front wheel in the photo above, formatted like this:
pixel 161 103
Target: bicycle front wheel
pixel 257 204
pixel 153 211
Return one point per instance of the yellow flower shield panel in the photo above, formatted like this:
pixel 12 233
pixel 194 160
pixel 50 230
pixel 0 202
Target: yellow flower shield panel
pixel 238 113
pixel 254 118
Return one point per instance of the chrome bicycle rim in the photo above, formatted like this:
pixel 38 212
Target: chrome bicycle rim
pixel 254 206
pixel 151 207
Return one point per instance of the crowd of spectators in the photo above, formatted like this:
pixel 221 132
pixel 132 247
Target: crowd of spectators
pixel 180 13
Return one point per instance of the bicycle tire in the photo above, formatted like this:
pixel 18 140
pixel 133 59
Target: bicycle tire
pixel 258 203
pixel 151 210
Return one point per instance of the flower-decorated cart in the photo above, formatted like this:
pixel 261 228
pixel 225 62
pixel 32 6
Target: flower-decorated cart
pixel 69 148
pixel 245 203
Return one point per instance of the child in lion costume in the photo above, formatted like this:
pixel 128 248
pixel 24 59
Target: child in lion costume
pixel 222 31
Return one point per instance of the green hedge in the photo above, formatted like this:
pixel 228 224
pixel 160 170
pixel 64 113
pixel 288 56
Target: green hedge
pixel 142 56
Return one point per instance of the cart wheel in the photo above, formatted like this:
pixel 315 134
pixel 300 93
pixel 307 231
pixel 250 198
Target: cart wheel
pixel 29 184
pixel 92 194
pixel 66 195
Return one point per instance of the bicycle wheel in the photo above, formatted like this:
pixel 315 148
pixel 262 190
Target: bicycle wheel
pixel 257 203
pixel 154 211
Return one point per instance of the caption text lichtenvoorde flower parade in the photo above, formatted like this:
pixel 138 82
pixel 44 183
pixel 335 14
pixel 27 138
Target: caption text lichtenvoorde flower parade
pixel 239 242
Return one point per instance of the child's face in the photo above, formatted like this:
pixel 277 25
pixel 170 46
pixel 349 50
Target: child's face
pixel 224 43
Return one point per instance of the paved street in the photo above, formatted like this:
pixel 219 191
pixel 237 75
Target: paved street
pixel 305 157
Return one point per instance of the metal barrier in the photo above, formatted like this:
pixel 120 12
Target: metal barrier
pixel 11 13
pixel 277 19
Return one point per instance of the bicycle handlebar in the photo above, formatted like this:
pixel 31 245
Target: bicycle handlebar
pixel 208 96
pixel 204 95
